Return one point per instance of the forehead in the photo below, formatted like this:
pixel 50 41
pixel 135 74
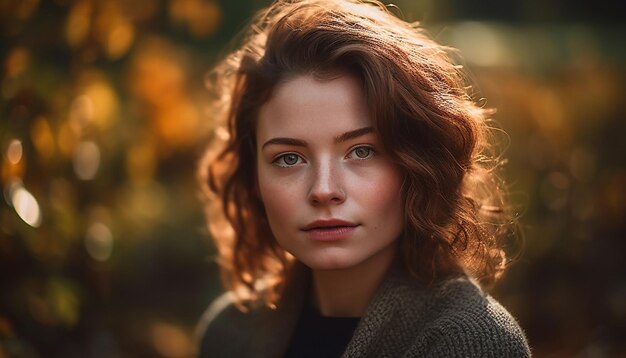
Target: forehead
pixel 305 106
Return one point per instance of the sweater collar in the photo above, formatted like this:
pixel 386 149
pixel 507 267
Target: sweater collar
pixel 383 310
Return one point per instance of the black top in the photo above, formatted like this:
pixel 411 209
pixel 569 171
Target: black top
pixel 450 318
pixel 320 336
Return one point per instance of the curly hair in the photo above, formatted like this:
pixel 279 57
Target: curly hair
pixel 456 218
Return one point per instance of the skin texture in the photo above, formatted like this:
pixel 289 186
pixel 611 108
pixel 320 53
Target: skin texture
pixel 319 158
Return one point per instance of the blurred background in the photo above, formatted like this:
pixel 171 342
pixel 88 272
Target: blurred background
pixel 103 114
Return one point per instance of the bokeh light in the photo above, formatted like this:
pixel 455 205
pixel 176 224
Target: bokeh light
pixel 14 151
pixel 480 43
pixel 201 16
pixel 78 22
pixel 43 138
pixel 103 114
pixel 26 206
pixel 99 241
pixel 86 160
pixel 81 113
pixel 170 340
pixel 16 62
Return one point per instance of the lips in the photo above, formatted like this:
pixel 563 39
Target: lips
pixel 329 230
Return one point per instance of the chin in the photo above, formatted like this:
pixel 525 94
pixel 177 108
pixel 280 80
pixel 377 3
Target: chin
pixel 329 262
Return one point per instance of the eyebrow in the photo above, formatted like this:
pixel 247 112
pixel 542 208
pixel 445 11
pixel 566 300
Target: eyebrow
pixel 338 139
pixel 354 134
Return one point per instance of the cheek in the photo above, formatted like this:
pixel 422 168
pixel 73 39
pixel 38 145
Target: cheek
pixel 279 198
pixel 382 191
pixel 389 206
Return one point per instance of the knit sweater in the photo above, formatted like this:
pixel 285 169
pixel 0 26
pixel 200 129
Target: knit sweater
pixel 453 318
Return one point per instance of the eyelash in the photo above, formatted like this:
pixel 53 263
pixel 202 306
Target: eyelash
pixel 282 158
pixel 371 153
pixel 299 158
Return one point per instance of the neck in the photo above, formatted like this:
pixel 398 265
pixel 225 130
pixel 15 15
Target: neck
pixel 347 292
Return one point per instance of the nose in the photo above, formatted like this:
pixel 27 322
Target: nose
pixel 326 186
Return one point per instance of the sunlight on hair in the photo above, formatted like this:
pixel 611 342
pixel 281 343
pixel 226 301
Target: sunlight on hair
pixel 219 226
pixel 222 133
pixel 26 206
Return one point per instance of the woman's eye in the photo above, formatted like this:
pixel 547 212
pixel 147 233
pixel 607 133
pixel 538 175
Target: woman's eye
pixel 288 160
pixel 361 152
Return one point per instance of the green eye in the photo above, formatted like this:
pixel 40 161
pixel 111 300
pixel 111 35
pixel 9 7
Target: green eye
pixel 362 152
pixel 288 160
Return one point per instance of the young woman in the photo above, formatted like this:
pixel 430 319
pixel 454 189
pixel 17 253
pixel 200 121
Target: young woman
pixel 351 194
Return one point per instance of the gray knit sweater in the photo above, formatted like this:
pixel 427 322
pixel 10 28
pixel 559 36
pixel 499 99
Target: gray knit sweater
pixel 405 319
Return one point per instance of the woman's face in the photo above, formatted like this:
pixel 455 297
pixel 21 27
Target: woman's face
pixel 332 196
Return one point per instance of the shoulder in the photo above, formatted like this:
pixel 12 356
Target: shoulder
pixel 222 321
pixel 225 330
pixel 463 321
pixel 258 331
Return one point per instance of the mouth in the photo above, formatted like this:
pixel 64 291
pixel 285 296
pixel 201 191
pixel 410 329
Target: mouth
pixel 329 230
pixel 328 224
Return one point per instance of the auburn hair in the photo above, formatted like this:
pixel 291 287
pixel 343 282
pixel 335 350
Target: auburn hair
pixel 456 218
